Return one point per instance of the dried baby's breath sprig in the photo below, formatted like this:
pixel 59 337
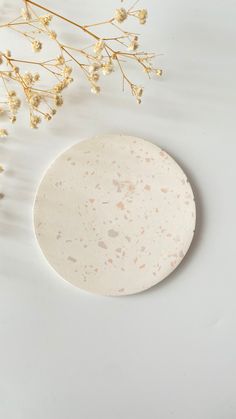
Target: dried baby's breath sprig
pixel 35 120
pixel 3 133
pixel 45 20
pixel 104 55
pixel 107 67
pixel 133 46
pixel 137 92
pixel 159 72
pixel 58 100
pixel 142 16
pixel 36 45
pixel 120 15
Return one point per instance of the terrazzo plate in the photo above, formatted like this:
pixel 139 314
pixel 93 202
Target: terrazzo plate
pixel 114 215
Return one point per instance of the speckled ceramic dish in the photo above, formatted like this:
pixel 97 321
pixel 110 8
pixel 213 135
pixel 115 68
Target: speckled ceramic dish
pixel 114 215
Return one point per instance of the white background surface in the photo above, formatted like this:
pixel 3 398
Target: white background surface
pixel 169 352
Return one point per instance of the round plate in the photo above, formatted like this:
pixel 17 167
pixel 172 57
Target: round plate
pixel 114 215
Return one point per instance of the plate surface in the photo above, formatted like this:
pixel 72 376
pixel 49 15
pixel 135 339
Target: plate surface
pixel 114 215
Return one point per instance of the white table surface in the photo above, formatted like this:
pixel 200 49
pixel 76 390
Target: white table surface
pixel 169 352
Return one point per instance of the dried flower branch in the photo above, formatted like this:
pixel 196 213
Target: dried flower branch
pixel 103 56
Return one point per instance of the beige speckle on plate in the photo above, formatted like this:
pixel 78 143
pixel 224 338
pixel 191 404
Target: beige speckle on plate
pixel 118 222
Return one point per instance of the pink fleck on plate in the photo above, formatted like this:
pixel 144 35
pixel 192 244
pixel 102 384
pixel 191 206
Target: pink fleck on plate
pixel 114 215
